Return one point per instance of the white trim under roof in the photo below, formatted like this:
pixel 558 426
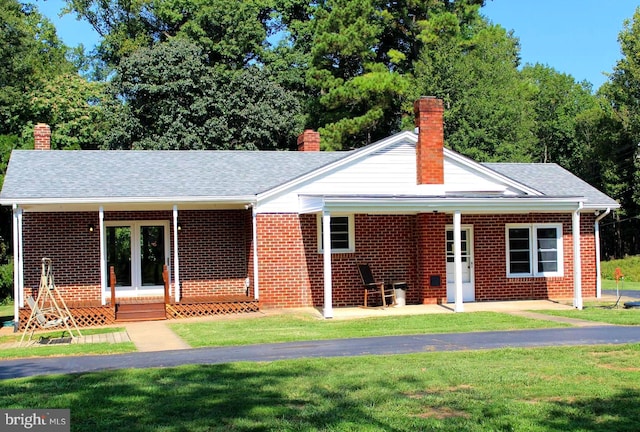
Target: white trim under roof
pixel 128 200
pixel 141 206
pixel 422 204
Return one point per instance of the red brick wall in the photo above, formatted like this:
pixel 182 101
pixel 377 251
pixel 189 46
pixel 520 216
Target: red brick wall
pixel 490 264
pixel 588 254
pixel 410 248
pixel 65 238
pixel 283 274
pixel 213 249
pixel 291 269
pixel 431 256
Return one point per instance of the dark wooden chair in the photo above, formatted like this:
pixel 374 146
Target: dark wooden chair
pixel 387 292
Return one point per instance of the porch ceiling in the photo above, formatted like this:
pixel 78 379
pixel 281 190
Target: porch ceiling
pixel 446 204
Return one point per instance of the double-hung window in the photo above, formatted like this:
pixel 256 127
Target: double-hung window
pixel 342 234
pixel 534 250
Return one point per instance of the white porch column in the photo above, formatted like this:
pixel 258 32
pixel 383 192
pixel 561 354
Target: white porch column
pixel 17 260
pixel 457 260
pixel 577 263
pixel 256 284
pixel 103 258
pixel 21 255
pixel 328 286
pixel 176 266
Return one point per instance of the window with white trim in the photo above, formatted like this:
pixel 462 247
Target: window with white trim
pixel 534 250
pixel 342 234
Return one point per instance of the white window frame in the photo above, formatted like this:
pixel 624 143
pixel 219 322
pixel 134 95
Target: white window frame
pixel 533 249
pixel 351 233
pixel 135 226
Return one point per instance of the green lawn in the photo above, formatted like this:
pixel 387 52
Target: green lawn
pixel 542 389
pixel 59 350
pixel 600 313
pixel 629 267
pixel 6 312
pixel 288 328
pixel 622 285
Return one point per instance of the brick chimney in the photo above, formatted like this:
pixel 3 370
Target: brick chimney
pixel 429 149
pixel 309 140
pixel 42 135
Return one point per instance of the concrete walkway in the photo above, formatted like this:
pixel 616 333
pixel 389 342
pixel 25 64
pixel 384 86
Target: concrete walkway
pixel 149 336
pixel 573 321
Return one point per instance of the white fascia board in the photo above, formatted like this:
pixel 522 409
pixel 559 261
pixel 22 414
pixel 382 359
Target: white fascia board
pixel 596 206
pixel 463 160
pixel 130 200
pixel 404 205
pixel 311 204
pixel 353 156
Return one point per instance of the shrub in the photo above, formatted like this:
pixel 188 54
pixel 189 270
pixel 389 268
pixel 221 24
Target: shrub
pixel 629 266
pixel 6 282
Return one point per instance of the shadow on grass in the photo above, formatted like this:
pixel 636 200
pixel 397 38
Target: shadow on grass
pixel 415 393
pixel 620 412
pixel 195 398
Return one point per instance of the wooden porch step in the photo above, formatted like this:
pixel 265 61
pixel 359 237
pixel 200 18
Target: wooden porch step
pixel 140 312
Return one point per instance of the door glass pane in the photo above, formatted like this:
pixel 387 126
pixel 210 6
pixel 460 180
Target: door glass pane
pixel 151 254
pixel 119 254
pixel 464 245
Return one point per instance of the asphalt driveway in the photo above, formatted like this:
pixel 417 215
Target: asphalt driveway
pixel 623 293
pixel 595 335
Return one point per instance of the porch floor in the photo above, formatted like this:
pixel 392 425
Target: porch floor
pixel 499 306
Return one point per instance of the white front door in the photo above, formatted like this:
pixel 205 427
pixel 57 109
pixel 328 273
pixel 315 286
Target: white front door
pixel 466 251
pixel 138 251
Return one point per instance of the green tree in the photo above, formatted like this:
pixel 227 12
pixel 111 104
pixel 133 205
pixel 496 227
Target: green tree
pixel 124 26
pixel 170 97
pixel 620 171
pixel 72 106
pixel 360 61
pixel 30 54
pixel 231 32
pixel 558 102
pixel 489 116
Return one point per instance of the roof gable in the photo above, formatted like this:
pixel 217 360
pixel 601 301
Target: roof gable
pixel 389 167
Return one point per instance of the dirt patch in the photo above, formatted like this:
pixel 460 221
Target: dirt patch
pixel 422 394
pixel 442 413
pixel 623 361
pixel 552 399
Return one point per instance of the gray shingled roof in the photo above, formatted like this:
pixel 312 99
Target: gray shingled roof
pixel 552 180
pixel 127 174
pixel 85 174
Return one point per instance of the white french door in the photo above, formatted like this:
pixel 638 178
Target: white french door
pixel 137 250
pixel 466 251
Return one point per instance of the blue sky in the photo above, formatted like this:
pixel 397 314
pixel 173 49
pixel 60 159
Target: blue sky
pixel 577 37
